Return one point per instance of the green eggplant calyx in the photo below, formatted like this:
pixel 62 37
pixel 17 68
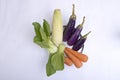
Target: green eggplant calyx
pixel 83 21
pixel 85 36
pixel 73 16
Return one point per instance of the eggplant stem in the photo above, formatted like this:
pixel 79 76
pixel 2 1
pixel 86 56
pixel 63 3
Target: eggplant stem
pixel 85 36
pixel 82 49
pixel 83 21
pixel 73 10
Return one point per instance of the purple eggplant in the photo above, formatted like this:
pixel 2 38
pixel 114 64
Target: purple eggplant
pixel 70 26
pixel 80 42
pixel 76 34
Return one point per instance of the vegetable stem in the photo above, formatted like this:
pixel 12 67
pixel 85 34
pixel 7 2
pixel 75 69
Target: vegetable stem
pixel 83 21
pixel 85 36
pixel 73 12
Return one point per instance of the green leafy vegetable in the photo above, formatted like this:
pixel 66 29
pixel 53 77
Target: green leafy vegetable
pixel 52 48
pixel 49 67
pixel 57 59
pixel 42 44
pixel 46 28
pixel 43 39
pixel 37 27
pixel 43 34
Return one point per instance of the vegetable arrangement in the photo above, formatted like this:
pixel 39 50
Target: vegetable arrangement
pixel 59 54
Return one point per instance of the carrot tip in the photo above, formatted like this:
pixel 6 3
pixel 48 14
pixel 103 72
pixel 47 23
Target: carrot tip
pixel 68 61
pixel 79 66
pixel 69 64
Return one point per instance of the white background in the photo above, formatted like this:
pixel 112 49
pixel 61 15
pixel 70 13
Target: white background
pixel 21 59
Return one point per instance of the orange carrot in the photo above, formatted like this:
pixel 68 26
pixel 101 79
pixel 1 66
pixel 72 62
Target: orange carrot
pixel 74 59
pixel 68 61
pixel 80 56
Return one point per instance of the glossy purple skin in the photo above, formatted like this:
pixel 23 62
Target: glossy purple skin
pixel 73 30
pixel 79 44
pixel 69 29
pixel 74 36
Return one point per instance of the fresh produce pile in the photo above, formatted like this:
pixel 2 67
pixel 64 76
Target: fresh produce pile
pixel 53 42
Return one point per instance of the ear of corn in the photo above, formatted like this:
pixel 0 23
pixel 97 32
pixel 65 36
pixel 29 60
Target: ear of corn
pixel 57 27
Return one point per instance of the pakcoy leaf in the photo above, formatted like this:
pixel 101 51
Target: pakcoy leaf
pixel 42 44
pixel 46 28
pixel 49 67
pixel 37 27
pixel 52 48
pixel 43 35
pixel 57 59
pixel 40 39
